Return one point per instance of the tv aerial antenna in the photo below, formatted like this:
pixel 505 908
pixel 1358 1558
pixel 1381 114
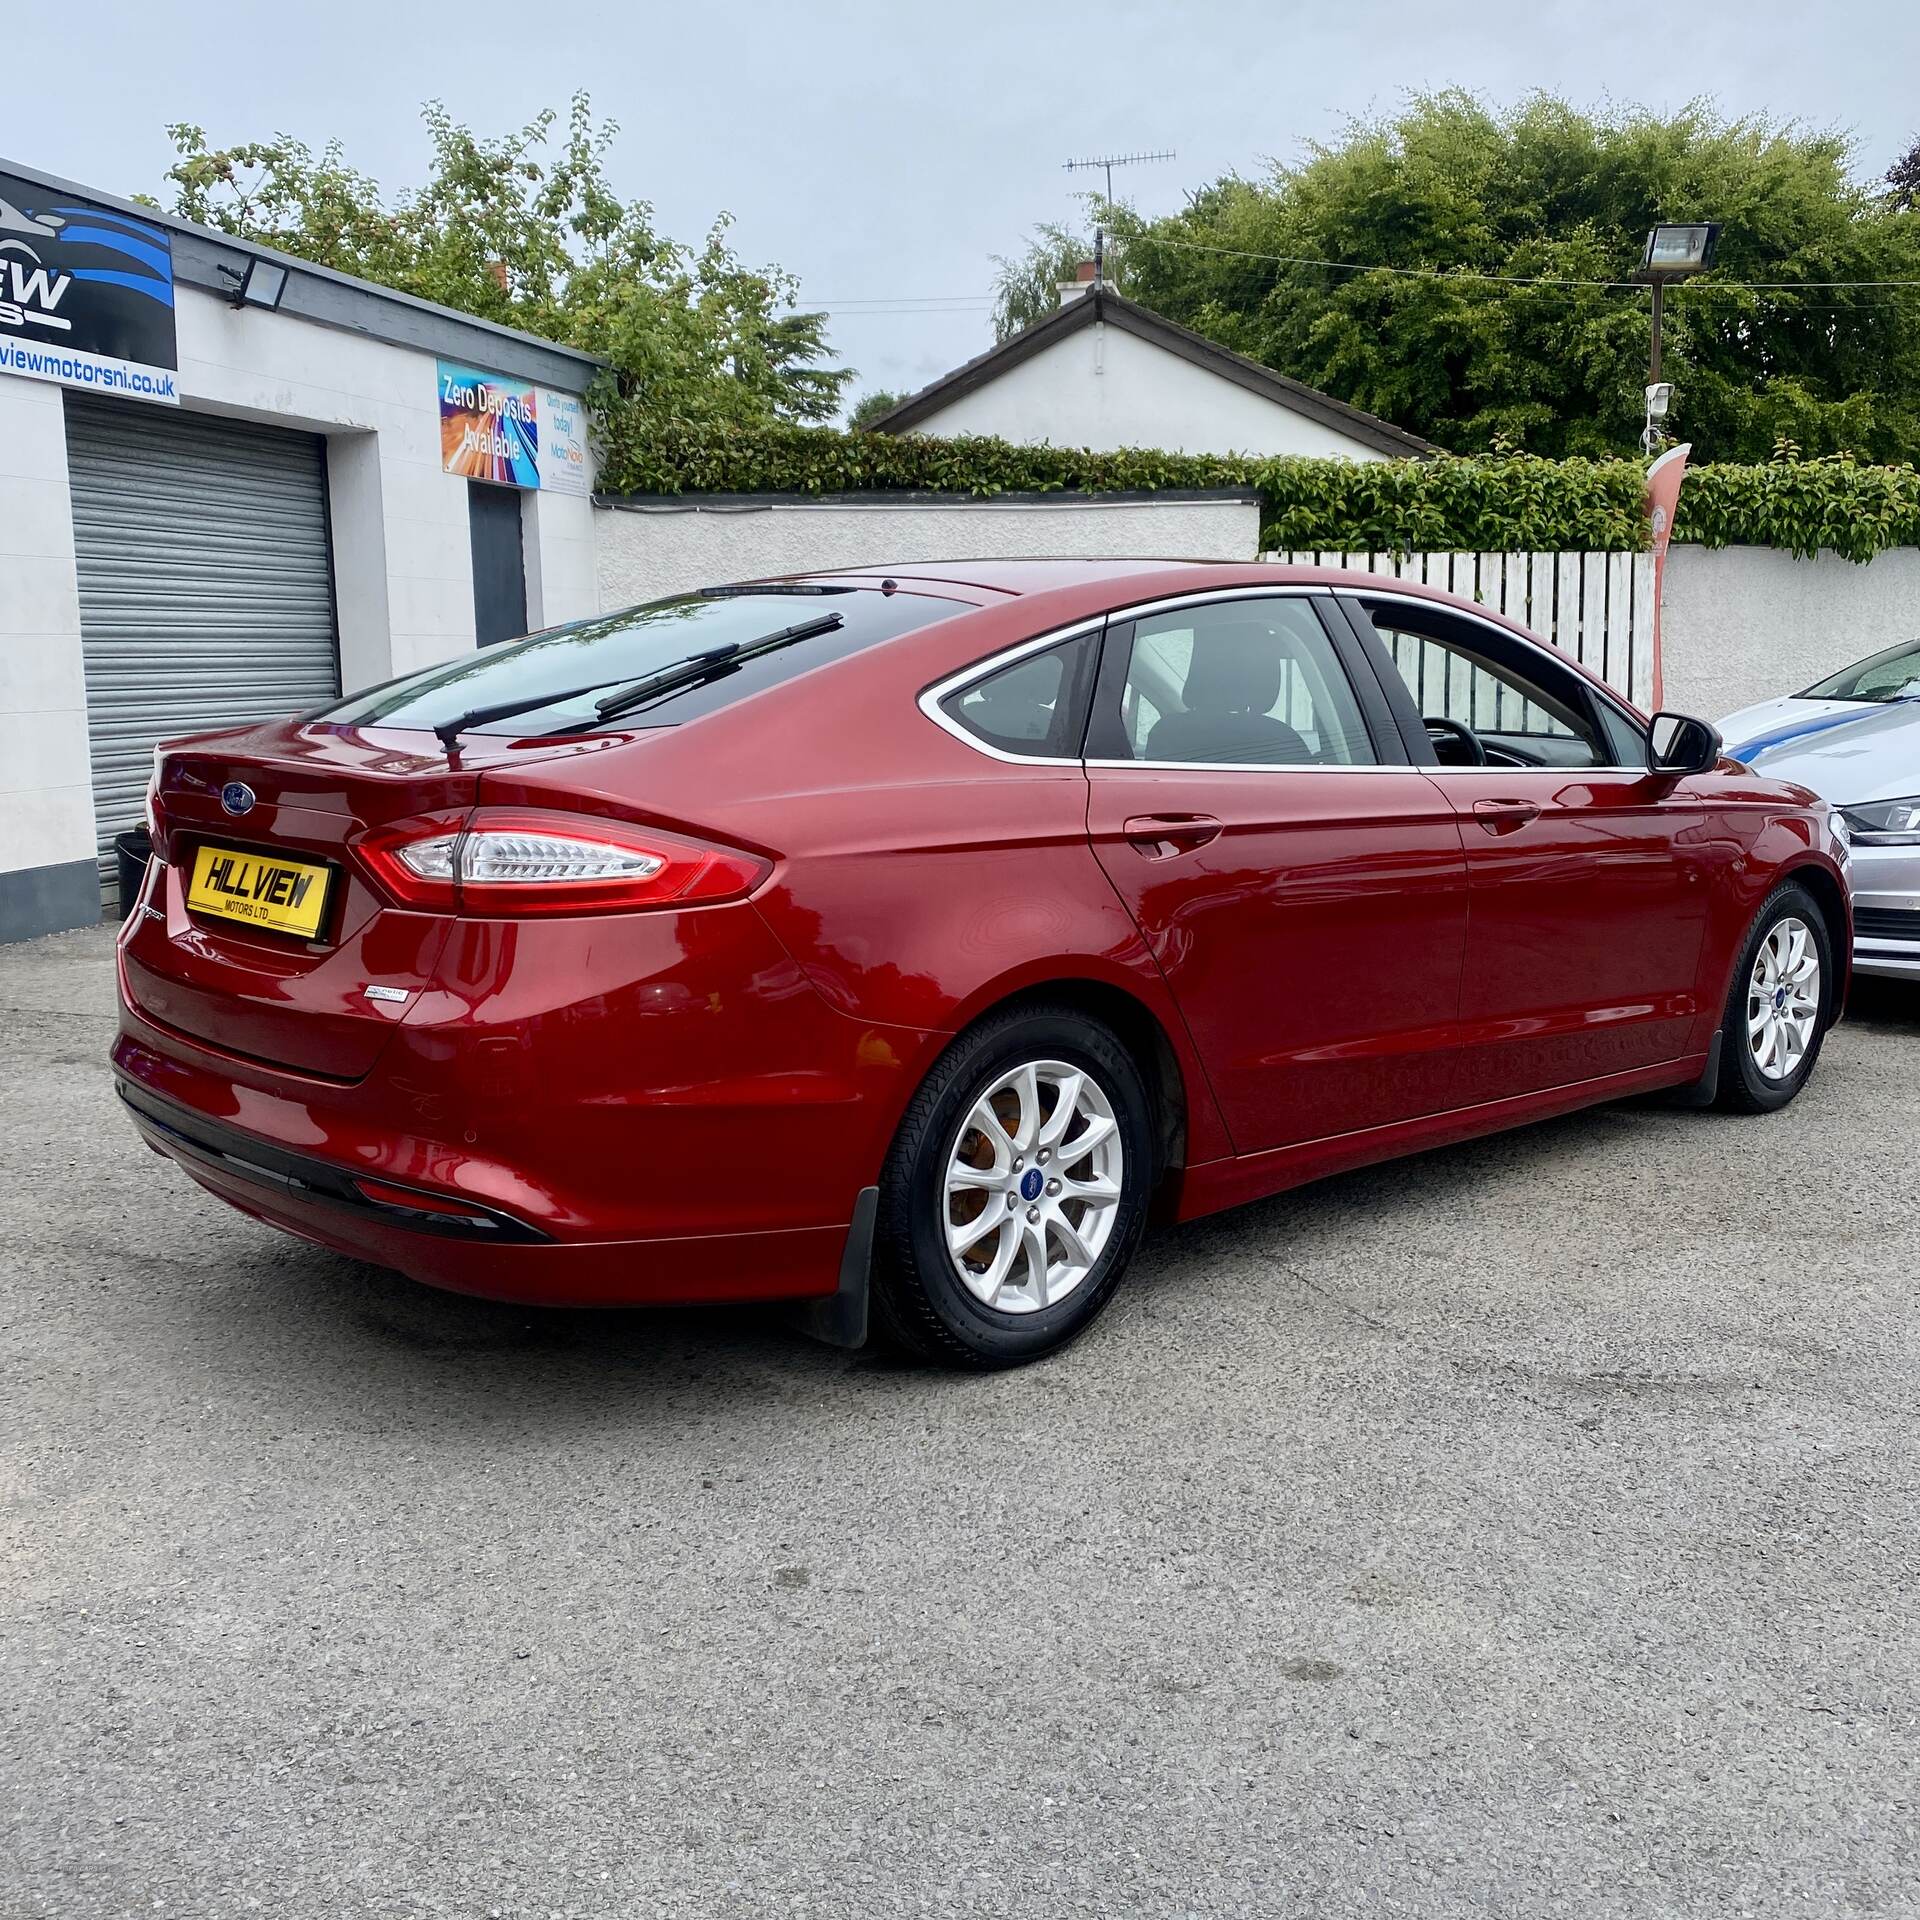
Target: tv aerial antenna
pixel 1106 162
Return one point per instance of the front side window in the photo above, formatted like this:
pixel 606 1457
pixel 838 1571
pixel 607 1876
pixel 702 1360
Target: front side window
pixel 575 664
pixel 1484 699
pixel 1893 675
pixel 1241 683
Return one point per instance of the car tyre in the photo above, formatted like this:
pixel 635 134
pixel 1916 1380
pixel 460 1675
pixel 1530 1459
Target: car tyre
pixel 1779 1005
pixel 1006 1223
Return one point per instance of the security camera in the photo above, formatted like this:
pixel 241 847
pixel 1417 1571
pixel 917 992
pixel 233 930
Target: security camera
pixel 1658 396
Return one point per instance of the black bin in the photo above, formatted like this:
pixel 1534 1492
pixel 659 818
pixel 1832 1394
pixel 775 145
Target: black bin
pixel 132 850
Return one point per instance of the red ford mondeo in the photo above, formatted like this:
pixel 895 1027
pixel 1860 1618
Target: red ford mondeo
pixel 902 943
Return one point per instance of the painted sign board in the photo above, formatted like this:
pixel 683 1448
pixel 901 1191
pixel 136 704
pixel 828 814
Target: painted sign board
pixel 86 295
pixel 510 432
pixel 563 443
pixel 489 429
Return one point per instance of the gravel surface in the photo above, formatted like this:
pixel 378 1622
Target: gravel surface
pixel 1529 1528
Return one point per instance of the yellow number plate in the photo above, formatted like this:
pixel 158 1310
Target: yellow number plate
pixel 285 896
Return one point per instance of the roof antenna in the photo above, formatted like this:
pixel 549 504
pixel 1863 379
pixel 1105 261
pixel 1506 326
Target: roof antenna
pixel 1106 162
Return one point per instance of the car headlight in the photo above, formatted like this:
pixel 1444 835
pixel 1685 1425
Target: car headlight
pixel 1889 822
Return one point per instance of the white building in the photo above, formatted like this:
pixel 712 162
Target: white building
pixel 233 485
pixel 1104 372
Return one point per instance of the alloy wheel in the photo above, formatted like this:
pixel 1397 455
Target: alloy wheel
pixel 1783 998
pixel 1032 1186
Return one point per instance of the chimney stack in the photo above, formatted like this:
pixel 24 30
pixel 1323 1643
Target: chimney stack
pixel 1082 282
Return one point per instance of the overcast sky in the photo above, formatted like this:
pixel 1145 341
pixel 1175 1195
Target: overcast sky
pixel 884 152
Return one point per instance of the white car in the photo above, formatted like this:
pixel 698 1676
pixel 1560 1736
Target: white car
pixel 1855 740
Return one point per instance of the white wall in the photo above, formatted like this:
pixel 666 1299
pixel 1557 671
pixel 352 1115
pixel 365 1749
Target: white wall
pixel 673 547
pixel 556 541
pixel 46 797
pixel 1105 388
pixel 402 562
pixel 1743 624
pixel 403 574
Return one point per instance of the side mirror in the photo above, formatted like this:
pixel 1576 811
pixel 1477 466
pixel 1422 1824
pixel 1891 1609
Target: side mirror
pixel 1683 745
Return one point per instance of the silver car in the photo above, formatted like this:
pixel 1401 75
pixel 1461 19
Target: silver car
pixel 1855 740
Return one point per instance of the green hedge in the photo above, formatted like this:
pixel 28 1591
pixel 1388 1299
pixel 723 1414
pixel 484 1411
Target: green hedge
pixel 1803 506
pixel 1504 502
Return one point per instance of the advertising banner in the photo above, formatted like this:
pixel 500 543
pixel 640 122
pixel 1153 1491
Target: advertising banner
pixel 563 442
pixel 488 427
pixel 86 295
pixel 1663 501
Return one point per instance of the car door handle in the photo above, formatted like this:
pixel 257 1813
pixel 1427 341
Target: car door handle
pixel 1161 835
pixel 1505 816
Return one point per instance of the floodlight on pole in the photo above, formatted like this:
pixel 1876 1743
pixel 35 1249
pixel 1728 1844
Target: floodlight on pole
pixel 1674 253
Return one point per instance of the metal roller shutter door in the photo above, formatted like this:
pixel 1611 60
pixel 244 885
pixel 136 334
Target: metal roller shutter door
pixel 206 587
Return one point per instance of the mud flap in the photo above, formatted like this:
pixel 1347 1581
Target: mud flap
pixel 840 1318
pixel 1706 1090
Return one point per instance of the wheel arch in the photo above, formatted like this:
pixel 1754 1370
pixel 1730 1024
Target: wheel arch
pixel 1830 897
pixel 1174 1080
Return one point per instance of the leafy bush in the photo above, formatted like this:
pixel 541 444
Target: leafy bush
pixel 1497 503
pixel 1803 506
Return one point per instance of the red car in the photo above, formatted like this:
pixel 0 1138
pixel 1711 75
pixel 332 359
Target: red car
pixel 905 942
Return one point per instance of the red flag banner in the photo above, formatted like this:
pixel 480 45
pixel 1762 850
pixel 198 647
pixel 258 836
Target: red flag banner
pixel 1663 500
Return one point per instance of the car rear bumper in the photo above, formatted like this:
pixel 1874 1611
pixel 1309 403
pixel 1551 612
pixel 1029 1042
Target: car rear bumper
pixel 1886 911
pixel 576 1112
pixel 482 1251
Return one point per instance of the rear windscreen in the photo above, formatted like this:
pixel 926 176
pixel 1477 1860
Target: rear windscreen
pixel 603 654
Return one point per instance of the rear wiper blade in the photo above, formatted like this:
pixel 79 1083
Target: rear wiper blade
pixel 697 666
pixel 451 730
pixel 631 693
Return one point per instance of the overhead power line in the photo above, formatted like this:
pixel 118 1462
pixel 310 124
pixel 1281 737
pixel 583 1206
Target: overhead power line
pixel 910 300
pixel 1520 279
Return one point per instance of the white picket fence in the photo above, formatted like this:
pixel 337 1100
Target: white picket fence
pixel 1598 607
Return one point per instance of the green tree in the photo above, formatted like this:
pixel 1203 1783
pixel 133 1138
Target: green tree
pixel 1026 286
pixel 870 406
pixel 1469 204
pixel 526 229
pixel 1903 181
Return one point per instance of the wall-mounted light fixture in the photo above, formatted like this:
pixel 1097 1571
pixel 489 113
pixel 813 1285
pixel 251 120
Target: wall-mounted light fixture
pixel 262 284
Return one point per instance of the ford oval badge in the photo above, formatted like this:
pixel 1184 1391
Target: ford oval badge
pixel 237 797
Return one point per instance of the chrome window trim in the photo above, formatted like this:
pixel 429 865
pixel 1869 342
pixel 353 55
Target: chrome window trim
pixel 1248 766
pixel 930 699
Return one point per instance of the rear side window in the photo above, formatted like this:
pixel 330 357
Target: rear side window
pixel 1034 707
pixel 1241 683
pixel 599 655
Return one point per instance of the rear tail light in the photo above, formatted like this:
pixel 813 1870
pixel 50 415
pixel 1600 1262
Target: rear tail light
pixel 155 830
pixel 509 862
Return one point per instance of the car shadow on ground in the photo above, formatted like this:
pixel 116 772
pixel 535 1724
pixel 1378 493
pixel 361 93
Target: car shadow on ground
pixel 1890 1004
pixel 379 1338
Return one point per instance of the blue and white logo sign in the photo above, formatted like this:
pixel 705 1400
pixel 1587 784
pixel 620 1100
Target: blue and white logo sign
pixel 237 797
pixel 86 294
pixel 1032 1184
